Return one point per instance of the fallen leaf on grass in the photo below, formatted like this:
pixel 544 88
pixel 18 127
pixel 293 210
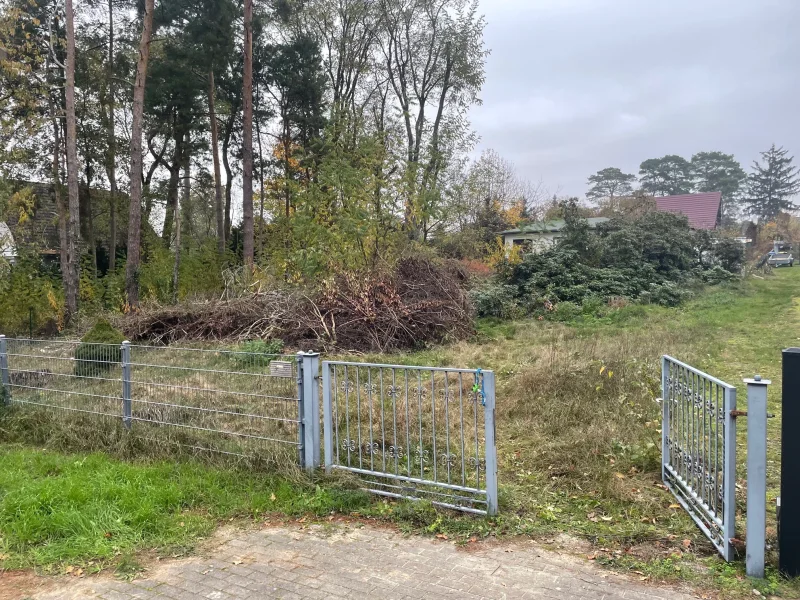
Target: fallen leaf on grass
pixel 441 536
pixel 619 475
pixel 3 556
pixel 674 505
pixel 687 543
pixel 272 497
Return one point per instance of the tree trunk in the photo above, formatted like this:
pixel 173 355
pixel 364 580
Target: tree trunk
pixel 56 168
pixel 170 214
pixel 111 168
pixel 135 217
pixel 247 138
pixel 261 227
pixel 187 174
pixel 72 280
pixel 228 171
pixel 90 238
pixel 218 208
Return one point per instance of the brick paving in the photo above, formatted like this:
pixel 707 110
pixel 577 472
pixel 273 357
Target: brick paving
pixel 347 561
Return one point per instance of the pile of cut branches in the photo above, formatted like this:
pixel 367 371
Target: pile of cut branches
pixel 416 303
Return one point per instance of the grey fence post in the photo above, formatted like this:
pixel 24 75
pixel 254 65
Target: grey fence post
pixel 491 448
pixel 665 408
pixel 127 412
pixel 729 508
pixel 307 380
pixel 327 413
pixel 756 474
pixel 4 370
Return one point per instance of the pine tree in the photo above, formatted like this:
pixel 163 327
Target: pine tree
pixel 772 184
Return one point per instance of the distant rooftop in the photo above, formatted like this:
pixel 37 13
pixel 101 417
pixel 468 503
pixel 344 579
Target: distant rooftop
pixel 553 226
pixel 702 210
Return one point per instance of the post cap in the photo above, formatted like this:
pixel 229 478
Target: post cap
pixel 757 380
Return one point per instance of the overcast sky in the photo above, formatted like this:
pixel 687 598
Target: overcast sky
pixel 574 86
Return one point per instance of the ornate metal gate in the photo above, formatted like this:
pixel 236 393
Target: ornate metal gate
pixel 699 449
pixel 413 432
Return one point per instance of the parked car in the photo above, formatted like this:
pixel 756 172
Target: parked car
pixel 781 259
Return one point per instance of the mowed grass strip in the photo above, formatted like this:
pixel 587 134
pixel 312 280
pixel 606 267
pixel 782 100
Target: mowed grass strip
pixel 90 510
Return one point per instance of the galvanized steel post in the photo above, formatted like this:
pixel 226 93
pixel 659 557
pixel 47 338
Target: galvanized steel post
pixel 127 412
pixel 756 474
pixel 327 413
pixel 491 449
pixel 308 384
pixel 4 370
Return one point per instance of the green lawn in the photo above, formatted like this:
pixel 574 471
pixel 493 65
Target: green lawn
pixel 578 444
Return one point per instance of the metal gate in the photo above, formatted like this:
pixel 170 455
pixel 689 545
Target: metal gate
pixel 413 432
pixel 699 449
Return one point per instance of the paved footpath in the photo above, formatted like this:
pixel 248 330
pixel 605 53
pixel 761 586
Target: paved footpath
pixel 347 561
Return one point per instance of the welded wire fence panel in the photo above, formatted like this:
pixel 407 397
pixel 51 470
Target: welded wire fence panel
pixel 70 377
pixel 239 403
pixel 207 401
pixel 413 432
pixel 699 449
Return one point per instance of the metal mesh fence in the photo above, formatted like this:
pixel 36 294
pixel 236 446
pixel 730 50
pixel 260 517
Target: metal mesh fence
pixel 224 402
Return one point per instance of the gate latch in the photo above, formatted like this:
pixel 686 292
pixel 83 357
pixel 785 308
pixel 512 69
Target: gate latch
pixel 743 413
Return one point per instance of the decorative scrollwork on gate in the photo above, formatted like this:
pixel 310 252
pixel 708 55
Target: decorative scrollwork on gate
pixel 478 464
pixel 449 460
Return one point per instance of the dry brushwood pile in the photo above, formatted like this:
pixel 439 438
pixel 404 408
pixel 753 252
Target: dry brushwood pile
pixel 418 302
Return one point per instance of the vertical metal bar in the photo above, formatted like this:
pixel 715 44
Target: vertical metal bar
pixel 327 415
pixel 433 422
pixel 394 395
pixel 335 403
pixel 383 421
pixel 358 416
pixel 127 412
pixel 6 388
pixel 476 404
pixel 716 450
pixel 703 437
pixel 408 426
pixel 347 414
pixel 665 429
pixel 421 449
pixel 447 424
pixel 729 501
pixel 491 449
pixel 756 474
pixel 301 420
pixel 463 442
pixel 371 451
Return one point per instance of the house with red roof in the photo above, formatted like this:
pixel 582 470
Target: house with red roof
pixel 702 210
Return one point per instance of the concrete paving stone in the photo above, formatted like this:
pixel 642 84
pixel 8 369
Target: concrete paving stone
pixel 316 563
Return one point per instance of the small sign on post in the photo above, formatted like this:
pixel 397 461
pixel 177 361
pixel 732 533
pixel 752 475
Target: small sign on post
pixel 281 368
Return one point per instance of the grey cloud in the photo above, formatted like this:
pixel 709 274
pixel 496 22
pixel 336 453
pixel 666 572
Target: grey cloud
pixel 574 86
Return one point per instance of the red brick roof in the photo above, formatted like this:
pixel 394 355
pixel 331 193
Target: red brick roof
pixel 702 210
